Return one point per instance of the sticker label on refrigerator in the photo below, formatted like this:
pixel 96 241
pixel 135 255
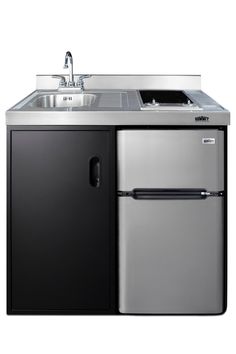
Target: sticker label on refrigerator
pixel 208 140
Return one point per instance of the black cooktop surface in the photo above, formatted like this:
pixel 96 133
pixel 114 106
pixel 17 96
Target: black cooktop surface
pixel 164 97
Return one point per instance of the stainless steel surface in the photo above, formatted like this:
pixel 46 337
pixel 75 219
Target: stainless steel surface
pixel 169 107
pixel 171 251
pixel 170 159
pixel 171 256
pixel 105 101
pixel 111 116
pixel 129 82
pixel 63 100
pixel 122 106
pixel 180 107
pixel 69 65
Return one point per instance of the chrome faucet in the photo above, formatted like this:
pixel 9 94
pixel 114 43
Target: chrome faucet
pixel 69 65
pixel 80 82
pixel 71 82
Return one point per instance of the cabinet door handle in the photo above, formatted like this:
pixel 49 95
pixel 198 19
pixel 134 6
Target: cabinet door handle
pixel 95 172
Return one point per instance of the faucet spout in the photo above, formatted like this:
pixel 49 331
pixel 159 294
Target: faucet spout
pixel 69 65
pixel 70 83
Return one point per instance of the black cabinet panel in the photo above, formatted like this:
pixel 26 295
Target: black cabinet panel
pixel 61 234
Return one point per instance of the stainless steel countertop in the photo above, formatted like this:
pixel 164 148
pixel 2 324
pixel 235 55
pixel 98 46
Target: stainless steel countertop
pixel 106 100
pixel 121 106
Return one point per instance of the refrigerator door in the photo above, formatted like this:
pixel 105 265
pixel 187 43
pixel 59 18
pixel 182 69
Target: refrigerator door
pixel 171 256
pixel 171 250
pixel 171 159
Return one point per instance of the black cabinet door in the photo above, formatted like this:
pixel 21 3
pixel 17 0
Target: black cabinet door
pixel 61 235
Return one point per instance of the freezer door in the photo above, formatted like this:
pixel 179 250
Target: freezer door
pixel 171 256
pixel 171 159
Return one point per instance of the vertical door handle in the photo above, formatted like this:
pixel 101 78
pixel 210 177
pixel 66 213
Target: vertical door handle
pixel 95 172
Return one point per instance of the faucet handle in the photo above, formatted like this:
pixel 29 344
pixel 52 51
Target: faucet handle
pixel 80 81
pixel 62 82
pixel 84 76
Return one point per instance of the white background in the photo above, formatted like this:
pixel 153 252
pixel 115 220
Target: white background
pixel 133 37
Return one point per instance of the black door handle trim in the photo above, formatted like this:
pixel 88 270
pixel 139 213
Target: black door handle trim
pixel 170 193
pixel 95 172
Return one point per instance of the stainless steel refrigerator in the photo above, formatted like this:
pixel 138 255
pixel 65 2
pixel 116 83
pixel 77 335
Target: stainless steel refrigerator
pixel 171 221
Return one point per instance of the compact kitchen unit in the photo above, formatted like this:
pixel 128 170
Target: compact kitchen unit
pixel 117 197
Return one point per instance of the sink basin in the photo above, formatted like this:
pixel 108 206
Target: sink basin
pixel 63 100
